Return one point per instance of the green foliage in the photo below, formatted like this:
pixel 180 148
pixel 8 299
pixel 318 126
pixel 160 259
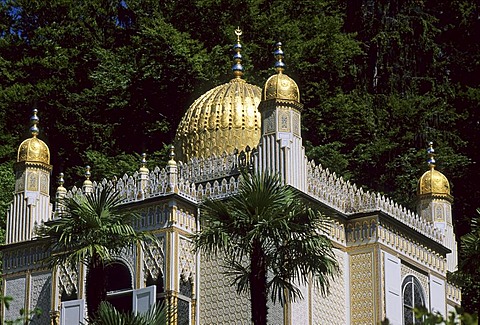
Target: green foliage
pixel 108 315
pixel 468 274
pixel 454 318
pixel 267 229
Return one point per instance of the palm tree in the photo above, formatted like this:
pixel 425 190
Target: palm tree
pixel 108 315
pixel 91 229
pixel 269 239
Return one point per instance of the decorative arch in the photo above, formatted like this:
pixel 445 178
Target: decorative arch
pixel 119 284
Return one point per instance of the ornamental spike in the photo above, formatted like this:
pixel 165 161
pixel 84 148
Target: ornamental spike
pixel 237 67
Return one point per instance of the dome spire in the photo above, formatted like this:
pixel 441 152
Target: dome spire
pixel 431 156
pixel 237 67
pixel 34 121
pixel 279 55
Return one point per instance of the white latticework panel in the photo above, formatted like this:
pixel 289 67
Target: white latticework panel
pixel 187 259
pixel 68 279
pixel 153 258
pixel 16 290
pixel 331 309
pixel 219 302
pixel 40 297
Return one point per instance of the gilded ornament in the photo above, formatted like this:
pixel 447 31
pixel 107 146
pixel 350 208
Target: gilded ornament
pixel 33 149
pixel 432 181
pixel 222 120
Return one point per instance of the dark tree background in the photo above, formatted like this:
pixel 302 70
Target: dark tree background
pixel 379 79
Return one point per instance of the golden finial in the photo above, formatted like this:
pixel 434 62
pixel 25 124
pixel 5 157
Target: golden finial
pixel 237 67
pixel 279 55
pixel 431 155
pixel 171 154
pixel 87 173
pixel 34 121
pixel 239 33
pixel 143 163
pixel 60 180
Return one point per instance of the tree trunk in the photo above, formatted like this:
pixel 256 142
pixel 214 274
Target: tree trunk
pixel 258 285
pixel 96 290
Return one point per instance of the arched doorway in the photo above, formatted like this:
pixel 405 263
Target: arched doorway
pixel 119 286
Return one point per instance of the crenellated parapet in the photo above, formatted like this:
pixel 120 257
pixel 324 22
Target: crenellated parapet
pixel 348 199
pixel 158 185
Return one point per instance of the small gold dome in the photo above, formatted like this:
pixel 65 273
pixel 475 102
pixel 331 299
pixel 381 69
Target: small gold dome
pixel 34 149
pixel 221 120
pixel 281 86
pixel 433 182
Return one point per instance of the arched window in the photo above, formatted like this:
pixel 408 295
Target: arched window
pixel 412 294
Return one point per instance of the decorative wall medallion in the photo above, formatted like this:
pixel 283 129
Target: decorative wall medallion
pixel 284 121
pixel 44 183
pixel 20 182
pixel 32 184
pixel 296 123
pixel 270 122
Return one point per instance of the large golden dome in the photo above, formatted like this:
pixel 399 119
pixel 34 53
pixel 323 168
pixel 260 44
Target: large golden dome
pixel 281 86
pixel 33 149
pixel 223 119
pixel 433 182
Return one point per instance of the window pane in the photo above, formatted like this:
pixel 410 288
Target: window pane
pixel 408 316
pixel 407 298
pixel 418 297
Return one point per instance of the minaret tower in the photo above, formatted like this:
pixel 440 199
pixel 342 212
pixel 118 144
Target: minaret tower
pixel 281 150
pixel 31 203
pixel 435 205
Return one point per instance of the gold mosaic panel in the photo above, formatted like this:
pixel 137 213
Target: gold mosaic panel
pixel 362 290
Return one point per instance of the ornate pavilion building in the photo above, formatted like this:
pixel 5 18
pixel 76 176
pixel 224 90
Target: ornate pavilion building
pixel 391 258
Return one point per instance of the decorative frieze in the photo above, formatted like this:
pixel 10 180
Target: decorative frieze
pixel 24 258
pixel 454 293
pixel 411 248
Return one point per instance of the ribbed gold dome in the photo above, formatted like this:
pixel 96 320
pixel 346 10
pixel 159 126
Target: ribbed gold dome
pixel 33 149
pixel 221 120
pixel 281 86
